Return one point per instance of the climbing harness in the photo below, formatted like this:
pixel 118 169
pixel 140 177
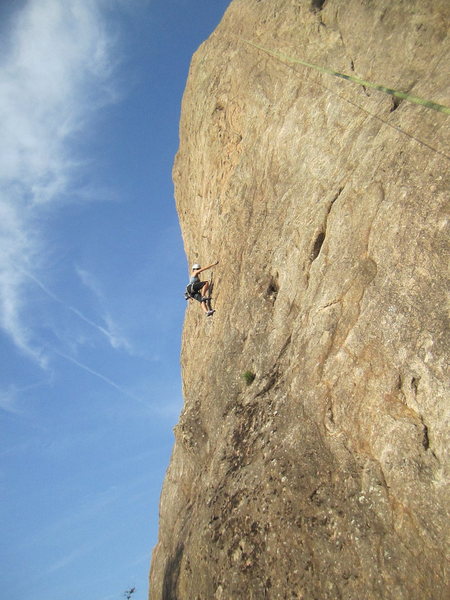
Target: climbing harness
pixel 190 293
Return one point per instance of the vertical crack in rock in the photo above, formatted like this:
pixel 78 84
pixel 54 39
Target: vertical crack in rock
pixel 317 5
pixel 321 236
pixel 317 245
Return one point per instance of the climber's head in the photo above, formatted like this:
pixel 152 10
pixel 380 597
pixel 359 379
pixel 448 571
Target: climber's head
pixel 196 267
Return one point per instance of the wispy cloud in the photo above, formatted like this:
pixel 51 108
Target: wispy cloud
pixel 55 70
pixel 57 67
pixel 10 397
pixel 8 401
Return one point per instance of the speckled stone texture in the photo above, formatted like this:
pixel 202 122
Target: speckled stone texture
pixel 326 204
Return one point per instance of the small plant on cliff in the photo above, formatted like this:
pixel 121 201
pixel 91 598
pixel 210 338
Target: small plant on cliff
pixel 248 377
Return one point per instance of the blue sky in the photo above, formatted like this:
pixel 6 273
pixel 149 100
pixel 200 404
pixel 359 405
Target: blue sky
pixel 92 275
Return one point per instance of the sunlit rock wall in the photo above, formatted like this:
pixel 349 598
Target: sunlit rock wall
pixel 325 203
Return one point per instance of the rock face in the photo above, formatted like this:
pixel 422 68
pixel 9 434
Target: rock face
pixel 325 203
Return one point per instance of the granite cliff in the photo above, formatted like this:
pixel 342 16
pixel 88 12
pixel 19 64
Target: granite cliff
pixel 326 204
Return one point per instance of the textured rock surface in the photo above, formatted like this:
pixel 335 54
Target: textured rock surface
pixel 326 477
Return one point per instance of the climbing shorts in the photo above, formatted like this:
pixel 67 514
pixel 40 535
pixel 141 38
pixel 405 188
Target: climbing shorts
pixel 197 286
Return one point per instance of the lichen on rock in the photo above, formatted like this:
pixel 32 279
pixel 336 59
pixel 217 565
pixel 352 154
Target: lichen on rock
pixel 326 205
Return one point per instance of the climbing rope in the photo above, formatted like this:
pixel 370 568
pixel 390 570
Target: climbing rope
pixel 403 95
pixel 380 88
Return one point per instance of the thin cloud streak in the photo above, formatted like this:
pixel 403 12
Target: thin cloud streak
pixel 66 560
pixel 102 377
pixel 115 341
pixel 88 508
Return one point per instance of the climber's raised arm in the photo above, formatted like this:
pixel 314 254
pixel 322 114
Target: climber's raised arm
pixel 206 268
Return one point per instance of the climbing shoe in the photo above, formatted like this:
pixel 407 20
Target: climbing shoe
pixel 210 312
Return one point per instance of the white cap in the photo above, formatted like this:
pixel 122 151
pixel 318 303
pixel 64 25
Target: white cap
pixel 195 267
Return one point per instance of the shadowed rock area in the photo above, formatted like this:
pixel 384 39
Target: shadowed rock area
pixel 326 204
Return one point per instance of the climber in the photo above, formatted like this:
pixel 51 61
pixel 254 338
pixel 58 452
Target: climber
pixel 198 290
